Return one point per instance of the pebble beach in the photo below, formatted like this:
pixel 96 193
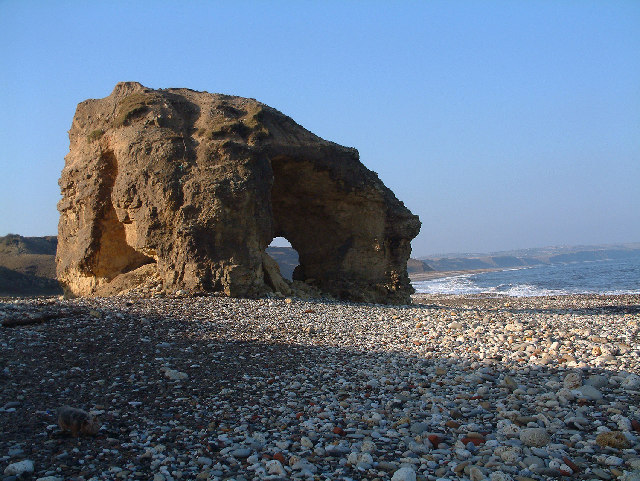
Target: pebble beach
pixel 213 388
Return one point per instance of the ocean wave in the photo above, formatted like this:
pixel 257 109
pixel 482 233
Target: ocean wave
pixel 614 277
pixel 464 285
pixel 467 285
pixel 526 290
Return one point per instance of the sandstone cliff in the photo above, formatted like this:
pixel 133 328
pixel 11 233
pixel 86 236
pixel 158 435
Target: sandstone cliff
pixel 192 187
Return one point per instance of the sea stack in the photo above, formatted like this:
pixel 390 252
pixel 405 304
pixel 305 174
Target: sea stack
pixel 192 187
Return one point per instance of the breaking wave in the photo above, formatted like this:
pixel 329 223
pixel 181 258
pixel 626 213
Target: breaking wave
pixel 605 277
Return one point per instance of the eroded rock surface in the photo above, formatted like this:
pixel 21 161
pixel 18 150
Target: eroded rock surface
pixel 192 187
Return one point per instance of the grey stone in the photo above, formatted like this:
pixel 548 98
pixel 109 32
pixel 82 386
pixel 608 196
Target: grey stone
pixel 597 381
pixel 589 392
pixel 419 428
pixel 241 453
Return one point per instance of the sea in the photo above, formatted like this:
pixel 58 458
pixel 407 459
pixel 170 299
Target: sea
pixel 620 276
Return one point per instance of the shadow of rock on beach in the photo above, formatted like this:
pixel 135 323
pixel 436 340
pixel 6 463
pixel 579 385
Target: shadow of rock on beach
pixel 218 388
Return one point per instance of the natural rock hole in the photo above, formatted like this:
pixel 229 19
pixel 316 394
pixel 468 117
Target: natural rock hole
pixel 285 255
pixel 113 255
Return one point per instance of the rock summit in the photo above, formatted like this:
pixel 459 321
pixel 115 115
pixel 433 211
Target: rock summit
pixel 191 187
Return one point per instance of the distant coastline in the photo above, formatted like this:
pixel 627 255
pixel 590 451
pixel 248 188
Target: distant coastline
pixel 530 257
pixel 27 264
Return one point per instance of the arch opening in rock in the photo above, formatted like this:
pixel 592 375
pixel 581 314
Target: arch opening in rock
pixel 300 202
pixel 332 227
pixel 285 255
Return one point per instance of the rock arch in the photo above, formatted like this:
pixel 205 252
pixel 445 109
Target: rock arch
pixel 192 187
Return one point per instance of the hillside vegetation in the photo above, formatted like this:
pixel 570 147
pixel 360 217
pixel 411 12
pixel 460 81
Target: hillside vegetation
pixel 28 266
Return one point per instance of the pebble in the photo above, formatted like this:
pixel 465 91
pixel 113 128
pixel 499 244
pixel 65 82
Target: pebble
pixel 204 461
pixel 295 389
pixel 612 439
pixel 476 474
pixel 598 381
pixel 175 375
pixel 500 476
pixel 614 461
pixel 419 427
pixel 602 474
pixel 241 453
pixel 537 437
pixel 19 468
pixel 533 460
pixel 630 476
pixel 275 467
pixel 631 382
pixel 404 474
pixel 573 380
pixel 589 392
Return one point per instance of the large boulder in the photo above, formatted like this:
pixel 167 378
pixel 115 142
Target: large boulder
pixel 192 187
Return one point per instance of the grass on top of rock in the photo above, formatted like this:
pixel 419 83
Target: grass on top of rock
pixel 95 135
pixel 131 106
pixel 247 126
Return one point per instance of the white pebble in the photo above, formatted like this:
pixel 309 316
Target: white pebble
pixel 614 461
pixel 174 375
pixel 537 437
pixel 500 476
pixel 573 380
pixel 21 467
pixel 631 382
pixel 275 467
pixel 404 474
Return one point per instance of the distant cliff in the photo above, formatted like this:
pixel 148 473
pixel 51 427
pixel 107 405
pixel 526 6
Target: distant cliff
pixel 14 244
pixel 416 266
pixel 531 257
pixel 27 266
pixel 287 259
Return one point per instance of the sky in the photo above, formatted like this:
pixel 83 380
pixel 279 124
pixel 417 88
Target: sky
pixel 501 124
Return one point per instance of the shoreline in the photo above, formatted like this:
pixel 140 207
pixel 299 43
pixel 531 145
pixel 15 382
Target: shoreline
pixel 427 276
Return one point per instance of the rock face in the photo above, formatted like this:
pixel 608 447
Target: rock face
pixel 192 187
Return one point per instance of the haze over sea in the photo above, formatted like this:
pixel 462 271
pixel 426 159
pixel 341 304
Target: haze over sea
pixel 619 276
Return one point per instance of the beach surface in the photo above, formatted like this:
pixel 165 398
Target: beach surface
pixel 451 387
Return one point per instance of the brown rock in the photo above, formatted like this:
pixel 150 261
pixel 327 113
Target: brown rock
pixel 435 440
pixel 339 431
pixel 77 421
pixel 280 457
pixel 194 186
pixel 477 441
pixel 574 467
pixel 612 439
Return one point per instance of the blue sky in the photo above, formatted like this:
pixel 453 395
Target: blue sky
pixel 501 124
